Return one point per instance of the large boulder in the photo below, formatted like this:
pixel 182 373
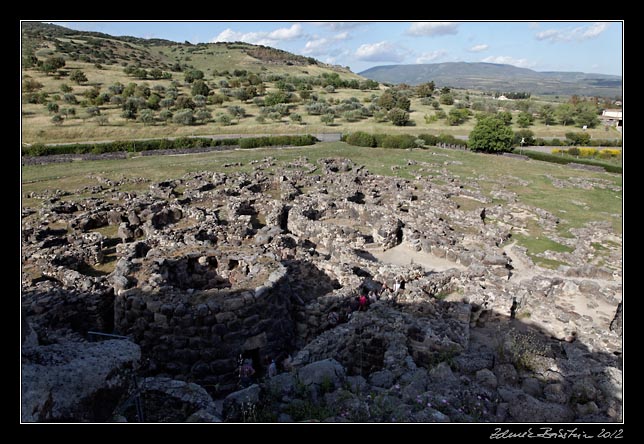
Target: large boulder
pixel 76 381
pixel 172 400
pixel 325 372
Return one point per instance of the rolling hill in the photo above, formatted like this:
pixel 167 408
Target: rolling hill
pixel 43 40
pixel 498 77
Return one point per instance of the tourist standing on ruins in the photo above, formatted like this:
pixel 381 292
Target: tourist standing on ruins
pixel 272 369
pixel 246 372
pixel 362 303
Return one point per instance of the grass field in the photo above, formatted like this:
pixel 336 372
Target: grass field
pixel 532 181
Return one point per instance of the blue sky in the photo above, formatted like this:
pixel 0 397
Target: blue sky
pixel 594 47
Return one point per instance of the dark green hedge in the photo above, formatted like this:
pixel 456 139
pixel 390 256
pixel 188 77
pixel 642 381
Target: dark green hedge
pixel 258 142
pixel 402 141
pixel 125 145
pixel 554 158
pixel 164 144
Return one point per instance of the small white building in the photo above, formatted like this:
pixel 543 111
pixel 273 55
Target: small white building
pixel 612 116
pixel 502 98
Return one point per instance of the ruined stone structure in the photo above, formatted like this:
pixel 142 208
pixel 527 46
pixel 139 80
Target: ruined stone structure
pixel 210 268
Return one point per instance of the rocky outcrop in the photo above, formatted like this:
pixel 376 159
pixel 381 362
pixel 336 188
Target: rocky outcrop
pixel 76 381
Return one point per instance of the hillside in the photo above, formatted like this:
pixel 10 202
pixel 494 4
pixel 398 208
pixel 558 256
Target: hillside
pixel 497 77
pixel 44 39
pixel 89 86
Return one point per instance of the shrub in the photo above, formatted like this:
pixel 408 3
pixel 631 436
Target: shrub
pixel 257 142
pixel 526 135
pixel 361 138
pixel 573 151
pixel 447 99
pixel 429 139
pixel 588 152
pixel 327 119
pixel 184 117
pixel 578 138
pixel 398 117
pixel 225 119
pixel 399 141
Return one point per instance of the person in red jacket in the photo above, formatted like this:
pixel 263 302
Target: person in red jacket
pixel 362 303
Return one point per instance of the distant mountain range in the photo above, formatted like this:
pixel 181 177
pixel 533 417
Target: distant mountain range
pixel 498 77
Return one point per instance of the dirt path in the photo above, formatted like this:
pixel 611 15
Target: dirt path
pixel 521 269
pixel 403 254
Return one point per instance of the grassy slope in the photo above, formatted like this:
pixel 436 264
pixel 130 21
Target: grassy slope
pixel 574 206
pixel 38 128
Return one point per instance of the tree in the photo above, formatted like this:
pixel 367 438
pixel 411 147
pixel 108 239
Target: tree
pixel 165 115
pixel 565 113
pixel 387 100
pixel 31 85
pixel 505 116
pixel 524 119
pixel 185 102
pixel 203 115
pixel 57 119
pixel 425 89
pixel 102 120
pixel 199 88
pixel 586 114
pixel 580 138
pixel 146 117
pixel 491 134
pixel 166 103
pixel 78 76
pixel 93 111
pixel 156 73
pixel 236 112
pixel 52 64
pixel 547 114
pixel 153 101
pixel 447 98
pixel 296 118
pixel 275 97
pixel 192 75
pixel 327 119
pixel 526 135
pixel 457 116
pixel 398 117
pixel 184 117
pixel 225 120
pixel 52 107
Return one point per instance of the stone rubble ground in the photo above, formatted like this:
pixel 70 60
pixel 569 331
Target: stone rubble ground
pixel 266 264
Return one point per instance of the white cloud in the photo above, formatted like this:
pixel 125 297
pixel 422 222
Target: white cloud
pixel 508 60
pixel 338 26
pixel 267 38
pixel 478 48
pixel 324 45
pixel 427 57
pixel 380 52
pixel 578 34
pixel 292 33
pixel 431 29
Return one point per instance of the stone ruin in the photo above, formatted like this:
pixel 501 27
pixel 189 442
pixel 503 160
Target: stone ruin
pixel 203 271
